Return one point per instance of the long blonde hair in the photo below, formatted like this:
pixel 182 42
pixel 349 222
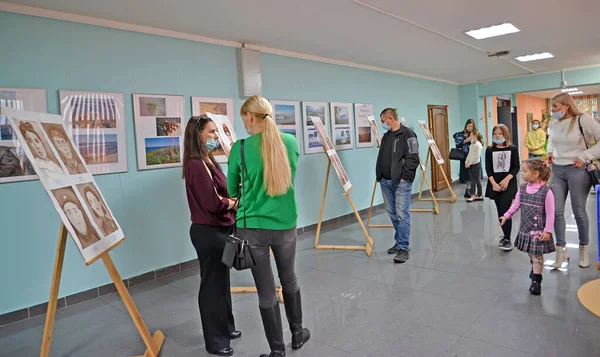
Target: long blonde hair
pixel 572 110
pixel 277 173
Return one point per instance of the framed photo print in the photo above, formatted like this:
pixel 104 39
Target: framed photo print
pixel 14 165
pixel 96 122
pixel 287 117
pixel 218 106
pixel 342 125
pixel 159 129
pixel 364 137
pixel 312 142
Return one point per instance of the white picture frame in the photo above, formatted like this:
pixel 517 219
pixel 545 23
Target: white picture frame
pixel 364 134
pixel 159 122
pixel 342 125
pixel 312 142
pixel 286 114
pixel 96 122
pixel 14 165
pixel 218 106
pixel 74 194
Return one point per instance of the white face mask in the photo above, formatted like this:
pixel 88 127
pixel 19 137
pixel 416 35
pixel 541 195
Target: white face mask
pixel 535 126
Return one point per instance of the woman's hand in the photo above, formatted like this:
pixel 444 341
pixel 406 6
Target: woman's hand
pixel 496 187
pixel 502 220
pixel 504 183
pixel 232 204
pixel 467 165
pixel 550 158
pixel 578 163
pixel 545 237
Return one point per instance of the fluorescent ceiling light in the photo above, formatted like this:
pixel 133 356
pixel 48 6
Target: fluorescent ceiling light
pixel 493 31
pixel 568 90
pixel 578 92
pixel 535 57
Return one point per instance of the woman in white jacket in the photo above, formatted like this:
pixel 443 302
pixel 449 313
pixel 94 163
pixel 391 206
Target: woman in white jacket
pixel 570 155
pixel 473 164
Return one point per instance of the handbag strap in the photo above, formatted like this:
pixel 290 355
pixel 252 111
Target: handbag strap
pixel 587 146
pixel 242 190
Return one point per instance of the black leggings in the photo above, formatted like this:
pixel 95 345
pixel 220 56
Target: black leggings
pixel 474 171
pixel 503 203
pixel 214 298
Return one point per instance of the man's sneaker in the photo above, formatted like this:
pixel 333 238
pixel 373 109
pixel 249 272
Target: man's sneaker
pixel 401 257
pixel 505 244
pixel 393 250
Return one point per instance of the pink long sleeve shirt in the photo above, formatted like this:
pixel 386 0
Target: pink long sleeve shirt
pixel 531 189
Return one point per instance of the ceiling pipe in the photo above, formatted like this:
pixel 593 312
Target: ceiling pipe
pixel 372 7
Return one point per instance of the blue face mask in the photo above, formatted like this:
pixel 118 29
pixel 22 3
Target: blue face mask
pixel 557 115
pixel 385 127
pixel 499 141
pixel 211 144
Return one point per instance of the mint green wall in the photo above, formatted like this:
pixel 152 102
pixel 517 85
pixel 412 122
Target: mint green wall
pixel 151 205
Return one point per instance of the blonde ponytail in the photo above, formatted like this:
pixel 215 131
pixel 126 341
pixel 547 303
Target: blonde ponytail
pixel 277 173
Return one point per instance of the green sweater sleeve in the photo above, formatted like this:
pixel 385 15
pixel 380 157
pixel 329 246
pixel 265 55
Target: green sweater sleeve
pixel 233 170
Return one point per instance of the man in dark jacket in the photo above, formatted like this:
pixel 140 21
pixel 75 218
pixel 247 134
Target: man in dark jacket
pixel 396 168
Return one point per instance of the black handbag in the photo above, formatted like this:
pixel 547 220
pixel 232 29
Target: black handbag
pixel 592 167
pixel 456 154
pixel 238 253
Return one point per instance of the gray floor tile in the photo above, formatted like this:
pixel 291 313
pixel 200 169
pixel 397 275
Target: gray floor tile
pixel 170 348
pixel 477 290
pixel 473 348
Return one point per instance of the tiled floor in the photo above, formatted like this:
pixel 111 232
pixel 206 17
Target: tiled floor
pixel 458 295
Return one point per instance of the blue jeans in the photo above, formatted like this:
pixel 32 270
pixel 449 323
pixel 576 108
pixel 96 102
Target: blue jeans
pixel 397 204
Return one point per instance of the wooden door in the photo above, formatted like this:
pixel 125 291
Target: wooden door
pixel 438 124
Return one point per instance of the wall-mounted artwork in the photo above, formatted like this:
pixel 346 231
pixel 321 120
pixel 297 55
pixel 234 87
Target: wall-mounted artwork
pixel 287 117
pixel 159 127
pixel 96 122
pixel 342 125
pixel 364 139
pixel 218 106
pixel 67 180
pixel 14 165
pixel 312 142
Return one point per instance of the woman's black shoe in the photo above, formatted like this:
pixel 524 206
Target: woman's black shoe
pixel 235 335
pixel 536 284
pixel 223 352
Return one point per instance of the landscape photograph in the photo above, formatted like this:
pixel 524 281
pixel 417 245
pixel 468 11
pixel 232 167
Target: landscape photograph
pixel 93 111
pixel 153 106
pixel 98 148
pixel 168 126
pixel 285 114
pixel 315 111
pixel 364 134
pixel 162 150
pixel 291 131
pixel 213 108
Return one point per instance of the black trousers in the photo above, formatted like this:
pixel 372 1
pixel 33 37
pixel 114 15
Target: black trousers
pixel 214 298
pixel 474 177
pixel 503 203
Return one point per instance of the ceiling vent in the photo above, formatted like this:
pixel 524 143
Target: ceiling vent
pixel 497 53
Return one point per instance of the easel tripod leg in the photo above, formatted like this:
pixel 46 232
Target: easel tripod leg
pixel 322 204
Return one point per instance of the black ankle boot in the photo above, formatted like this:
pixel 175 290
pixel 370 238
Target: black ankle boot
pixel 536 285
pixel 271 318
pixel 293 311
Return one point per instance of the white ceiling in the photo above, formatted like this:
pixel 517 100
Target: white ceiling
pixel 424 37
pixel 588 90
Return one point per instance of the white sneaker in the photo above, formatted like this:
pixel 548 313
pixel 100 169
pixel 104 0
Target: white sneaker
pixel 561 255
pixel 584 260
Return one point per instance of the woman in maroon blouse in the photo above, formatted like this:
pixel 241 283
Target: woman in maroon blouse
pixel 213 217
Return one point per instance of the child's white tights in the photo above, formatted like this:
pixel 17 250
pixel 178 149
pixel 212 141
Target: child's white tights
pixel 538 263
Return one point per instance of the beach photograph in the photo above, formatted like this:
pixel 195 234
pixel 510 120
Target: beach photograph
pixel 168 126
pixel 315 111
pixel 153 106
pixel 341 115
pixel 98 148
pixel 285 114
pixel 162 150
pixel 213 108
pixel 93 111
pixel 364 134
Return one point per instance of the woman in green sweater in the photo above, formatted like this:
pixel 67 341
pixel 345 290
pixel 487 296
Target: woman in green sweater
pixel 269 203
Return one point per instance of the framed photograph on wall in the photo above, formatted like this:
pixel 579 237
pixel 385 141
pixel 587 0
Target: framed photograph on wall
pixel 14 165
pixel 364 137
pixel 312 142
pixel 218 106
pixel 287 118
pixel 342 125
pixel 96 122
pixel 68 181
pixel 159 128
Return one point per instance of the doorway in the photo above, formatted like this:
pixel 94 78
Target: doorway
pixel 438 124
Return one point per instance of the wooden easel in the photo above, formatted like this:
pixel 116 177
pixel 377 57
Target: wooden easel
pixel 153 343
pixel 435 209
pixel 368 248
pixel 452 198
